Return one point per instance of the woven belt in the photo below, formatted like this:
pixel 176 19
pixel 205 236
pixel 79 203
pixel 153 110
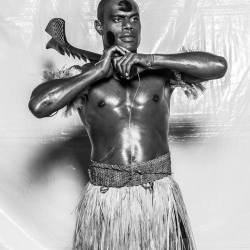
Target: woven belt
pixel 107 175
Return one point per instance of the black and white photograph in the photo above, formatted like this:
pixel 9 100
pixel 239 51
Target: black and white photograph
pixel 125 125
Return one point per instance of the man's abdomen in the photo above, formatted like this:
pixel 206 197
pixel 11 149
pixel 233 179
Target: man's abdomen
pixel 129 142
pixel 128 123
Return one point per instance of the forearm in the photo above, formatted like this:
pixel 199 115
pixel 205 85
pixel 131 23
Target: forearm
pixel 202 65
pixel 53 95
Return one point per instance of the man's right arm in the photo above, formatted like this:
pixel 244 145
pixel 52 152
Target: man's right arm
pixel 53 95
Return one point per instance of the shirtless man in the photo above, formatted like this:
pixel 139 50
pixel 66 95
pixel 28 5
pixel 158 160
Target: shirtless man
pixel 126 111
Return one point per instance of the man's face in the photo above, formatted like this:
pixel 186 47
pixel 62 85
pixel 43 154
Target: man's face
pixel 121 24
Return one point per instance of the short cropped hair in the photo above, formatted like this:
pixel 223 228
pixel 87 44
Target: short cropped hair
pixel 100 9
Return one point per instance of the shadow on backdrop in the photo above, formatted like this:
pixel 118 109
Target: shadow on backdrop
pixel 74 149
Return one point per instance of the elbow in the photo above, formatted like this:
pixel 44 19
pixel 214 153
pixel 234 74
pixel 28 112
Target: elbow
pixel 221 66
pixel 36 109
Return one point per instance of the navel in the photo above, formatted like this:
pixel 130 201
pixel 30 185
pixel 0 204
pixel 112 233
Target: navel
pixel 156 98
pixel 101 104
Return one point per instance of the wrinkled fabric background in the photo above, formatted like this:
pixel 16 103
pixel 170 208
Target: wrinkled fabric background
pixel 43 161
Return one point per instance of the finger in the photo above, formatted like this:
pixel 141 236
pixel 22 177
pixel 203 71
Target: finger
pixel 124 49
pixel 130 63
pixel 119 50
pixel 125 66
pixel 113 51
pixel 117 54
pixel 124 63
pixel 119 66
pixel 115 61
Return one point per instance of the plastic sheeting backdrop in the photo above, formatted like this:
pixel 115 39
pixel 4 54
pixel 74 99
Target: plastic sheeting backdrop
pixel 42 161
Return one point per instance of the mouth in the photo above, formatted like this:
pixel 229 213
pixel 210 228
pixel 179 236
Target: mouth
pixel 128 38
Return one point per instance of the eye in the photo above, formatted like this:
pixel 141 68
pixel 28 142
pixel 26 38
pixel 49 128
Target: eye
pixel 117 19
pixel 135 19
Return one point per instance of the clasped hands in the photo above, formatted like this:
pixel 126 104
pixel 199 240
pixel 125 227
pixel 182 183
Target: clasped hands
pixel 123 63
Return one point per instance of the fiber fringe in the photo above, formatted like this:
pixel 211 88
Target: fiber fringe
pixel 51 73
pixel 190 89
pixel 133 218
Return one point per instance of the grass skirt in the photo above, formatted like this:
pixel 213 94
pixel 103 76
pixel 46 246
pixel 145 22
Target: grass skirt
pixel 133 218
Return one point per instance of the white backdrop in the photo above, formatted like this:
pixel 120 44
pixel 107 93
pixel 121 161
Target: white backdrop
pixel 43 161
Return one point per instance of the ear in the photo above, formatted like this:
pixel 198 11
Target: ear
pixel 99 27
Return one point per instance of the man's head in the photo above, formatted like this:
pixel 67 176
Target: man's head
pixel 119 23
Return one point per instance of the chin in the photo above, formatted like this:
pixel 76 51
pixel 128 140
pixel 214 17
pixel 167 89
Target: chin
pixel 132 47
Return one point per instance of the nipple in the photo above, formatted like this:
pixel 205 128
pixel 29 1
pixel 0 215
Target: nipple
pixel 156 98
pixel 101 104
pixel 133 158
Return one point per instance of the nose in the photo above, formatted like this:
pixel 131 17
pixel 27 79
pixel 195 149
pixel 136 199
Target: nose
pixel 127 25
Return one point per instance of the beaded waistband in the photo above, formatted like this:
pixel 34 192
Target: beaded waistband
pixel 115 175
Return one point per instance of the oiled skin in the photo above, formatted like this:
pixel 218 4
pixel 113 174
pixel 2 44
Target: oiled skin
pixel 124 128
pixel 126 120
pixel 115 137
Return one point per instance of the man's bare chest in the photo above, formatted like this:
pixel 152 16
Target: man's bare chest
pixel 137 93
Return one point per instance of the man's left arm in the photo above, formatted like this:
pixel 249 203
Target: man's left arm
pixel 193 66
